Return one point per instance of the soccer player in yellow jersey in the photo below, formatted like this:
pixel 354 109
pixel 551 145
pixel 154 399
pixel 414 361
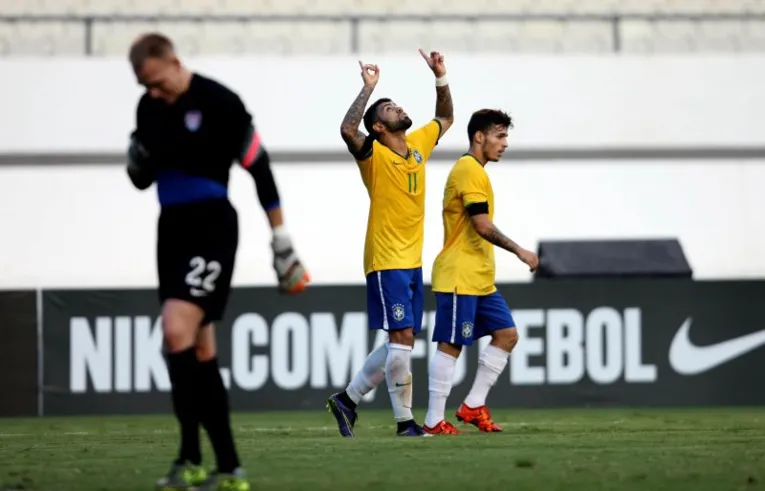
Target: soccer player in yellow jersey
pixel 392 166
pixel 468 305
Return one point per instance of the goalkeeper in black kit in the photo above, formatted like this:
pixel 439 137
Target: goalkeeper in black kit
pixel 189 130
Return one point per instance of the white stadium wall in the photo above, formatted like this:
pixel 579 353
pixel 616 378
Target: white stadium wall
pixel 85 226
pixel 298 103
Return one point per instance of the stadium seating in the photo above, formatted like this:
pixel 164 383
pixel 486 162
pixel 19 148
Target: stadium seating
pixel 489 32
pixel 360 7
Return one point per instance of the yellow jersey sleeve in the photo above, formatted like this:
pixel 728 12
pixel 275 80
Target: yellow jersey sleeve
pixel 472 184
pixel 426 138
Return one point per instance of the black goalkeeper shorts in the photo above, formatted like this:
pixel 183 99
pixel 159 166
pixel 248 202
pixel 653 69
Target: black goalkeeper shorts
pixel 196 251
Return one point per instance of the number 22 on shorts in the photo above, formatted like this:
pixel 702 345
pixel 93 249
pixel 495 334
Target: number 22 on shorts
pixel 203 274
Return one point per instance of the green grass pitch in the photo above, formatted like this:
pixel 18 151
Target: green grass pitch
pixel 571 450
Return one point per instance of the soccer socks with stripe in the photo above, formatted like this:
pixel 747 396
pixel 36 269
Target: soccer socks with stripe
pixel 215 416
pixel 440 379
pixel 369 377
pixel 183 368
pixel 491 363
pixel 399 379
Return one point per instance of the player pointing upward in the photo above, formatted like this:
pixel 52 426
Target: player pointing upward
pixel 468 305
pixel 392 165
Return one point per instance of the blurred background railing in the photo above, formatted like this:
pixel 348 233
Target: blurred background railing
pixel 94 33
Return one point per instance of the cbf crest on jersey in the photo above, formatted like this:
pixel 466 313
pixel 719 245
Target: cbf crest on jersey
pixel 417 156
pixel 193 120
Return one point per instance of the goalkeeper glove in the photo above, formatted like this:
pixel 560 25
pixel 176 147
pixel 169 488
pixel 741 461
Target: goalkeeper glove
pixel 292 276
pixel 141 168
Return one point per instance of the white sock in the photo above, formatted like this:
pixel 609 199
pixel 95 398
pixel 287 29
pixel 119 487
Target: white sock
pixel 399 379
pixel 441 378
pixel 370 375
pixel 491 363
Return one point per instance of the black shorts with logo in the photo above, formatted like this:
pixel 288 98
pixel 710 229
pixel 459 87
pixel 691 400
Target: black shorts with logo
pixel 196 251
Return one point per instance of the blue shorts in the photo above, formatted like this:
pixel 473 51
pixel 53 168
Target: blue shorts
pixel 461 319
pixel 395 299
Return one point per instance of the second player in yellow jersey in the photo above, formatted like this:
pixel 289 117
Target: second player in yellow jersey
pixel 465 265
pixel 392 167
pixel 468 305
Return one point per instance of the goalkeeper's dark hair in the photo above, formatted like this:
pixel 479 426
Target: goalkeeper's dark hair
pixel 484 119
pixel 370 117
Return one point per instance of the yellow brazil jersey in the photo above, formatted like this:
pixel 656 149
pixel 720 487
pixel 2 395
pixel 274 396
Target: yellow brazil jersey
pixel 465 265
pixel 396 188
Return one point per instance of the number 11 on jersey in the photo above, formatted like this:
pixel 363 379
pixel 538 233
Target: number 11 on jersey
pixel 412 182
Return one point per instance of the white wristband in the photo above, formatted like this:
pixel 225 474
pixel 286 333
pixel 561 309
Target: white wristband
pixel 280 231
pixel 441 81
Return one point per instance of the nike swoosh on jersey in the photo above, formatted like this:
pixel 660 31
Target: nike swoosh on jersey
pixel 688 359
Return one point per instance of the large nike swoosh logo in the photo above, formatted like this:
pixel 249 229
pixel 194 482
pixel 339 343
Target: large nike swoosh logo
pixel 689 359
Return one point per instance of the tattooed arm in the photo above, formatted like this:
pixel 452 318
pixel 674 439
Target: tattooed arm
pixel 444 108
pixel 489 232
pixel 349 129
pixel 356 140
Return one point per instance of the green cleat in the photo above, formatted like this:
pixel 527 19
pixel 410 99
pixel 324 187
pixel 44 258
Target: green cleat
pixel 182 476
pixel 225 482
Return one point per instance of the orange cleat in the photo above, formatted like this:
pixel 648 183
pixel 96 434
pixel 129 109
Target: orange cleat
pixel 480 417
pixel 442 428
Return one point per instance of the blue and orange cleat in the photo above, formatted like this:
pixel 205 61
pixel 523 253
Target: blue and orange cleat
pixel 480 417
pixel 413 430
pixel 345 416
pixel 442 428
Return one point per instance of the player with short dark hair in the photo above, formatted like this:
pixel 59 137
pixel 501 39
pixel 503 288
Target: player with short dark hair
pixel 392 166
pixel 189 130
pixel 468 305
